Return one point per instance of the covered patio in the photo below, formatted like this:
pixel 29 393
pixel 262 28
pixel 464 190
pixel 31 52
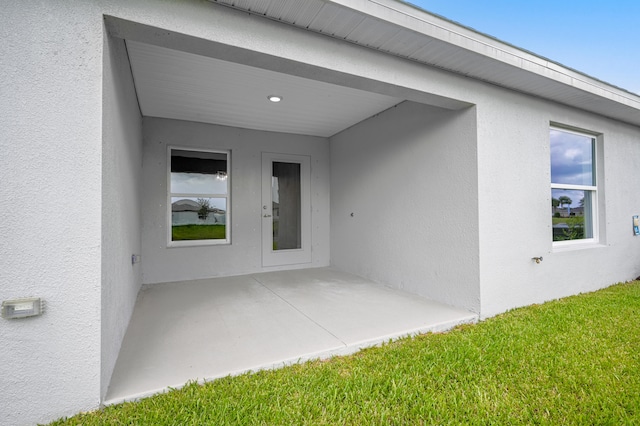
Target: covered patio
pixel 206 329
pixel 356 140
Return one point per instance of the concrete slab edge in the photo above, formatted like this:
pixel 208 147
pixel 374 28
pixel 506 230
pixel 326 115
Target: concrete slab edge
pixel 348 349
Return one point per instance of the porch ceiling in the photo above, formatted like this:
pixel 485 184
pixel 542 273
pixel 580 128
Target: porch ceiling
pixel 401 29
pixel 180 85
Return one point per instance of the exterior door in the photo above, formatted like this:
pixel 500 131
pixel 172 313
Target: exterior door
pixel 286 209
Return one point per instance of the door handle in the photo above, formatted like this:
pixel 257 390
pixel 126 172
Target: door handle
pixel 267 215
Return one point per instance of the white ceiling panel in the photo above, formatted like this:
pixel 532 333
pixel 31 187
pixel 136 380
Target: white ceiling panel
pixel 184 86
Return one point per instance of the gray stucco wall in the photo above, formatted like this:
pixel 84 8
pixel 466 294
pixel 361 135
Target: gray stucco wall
pixel 408 175
pixel 244 254
pixel 121 218
pixel 515 198
pixel 50 169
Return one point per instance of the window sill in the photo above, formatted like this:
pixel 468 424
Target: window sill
pixel 198 243
pixel 558 248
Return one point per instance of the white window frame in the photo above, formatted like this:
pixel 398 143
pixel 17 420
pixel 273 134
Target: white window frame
pixel 170 195
pixel 595 222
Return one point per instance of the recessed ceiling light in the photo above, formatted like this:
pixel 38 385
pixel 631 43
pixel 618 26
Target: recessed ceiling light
pixel 274 98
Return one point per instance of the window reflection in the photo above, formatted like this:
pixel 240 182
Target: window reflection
pixel 573 185
pixel 199 191
pixel 287 208
pixel 571 158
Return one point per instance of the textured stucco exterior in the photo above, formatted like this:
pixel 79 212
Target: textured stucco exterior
pixel 455 180
pixel 121 215
pixel 408 176
pixel 514 181
pixel 51 170
pixel 244 254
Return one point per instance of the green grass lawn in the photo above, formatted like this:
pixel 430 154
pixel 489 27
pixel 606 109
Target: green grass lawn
pixel 571 361
pixel 198 232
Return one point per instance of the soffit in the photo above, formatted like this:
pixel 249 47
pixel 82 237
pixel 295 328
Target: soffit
pixel 180 85
pixel 405 31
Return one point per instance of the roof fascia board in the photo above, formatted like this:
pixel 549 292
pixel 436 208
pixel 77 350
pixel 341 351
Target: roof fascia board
pixel 408 16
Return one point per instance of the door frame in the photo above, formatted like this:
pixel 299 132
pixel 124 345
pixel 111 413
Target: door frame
pixel 271 257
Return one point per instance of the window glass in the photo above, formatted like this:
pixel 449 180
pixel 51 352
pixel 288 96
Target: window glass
pixel 194 183
pixel 571 220
pixel 572 158
pixel 286 194
pixel 573 186
pixel 199 190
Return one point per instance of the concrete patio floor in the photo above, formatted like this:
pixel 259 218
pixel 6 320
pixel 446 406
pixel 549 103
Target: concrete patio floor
pixel 206 329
